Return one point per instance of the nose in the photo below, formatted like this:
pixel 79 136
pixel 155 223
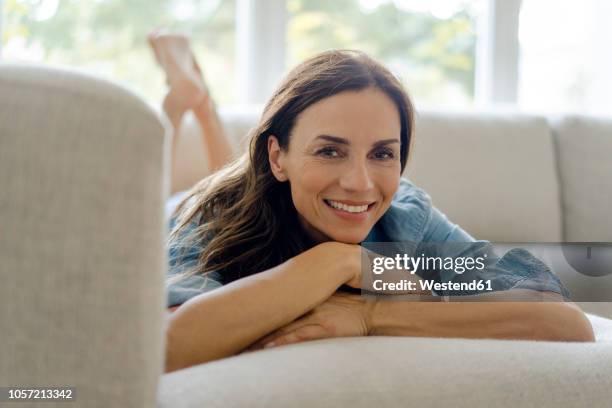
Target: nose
pixel 356 176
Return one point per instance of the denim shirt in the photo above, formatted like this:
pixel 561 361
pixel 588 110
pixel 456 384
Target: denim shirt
pixel 421 228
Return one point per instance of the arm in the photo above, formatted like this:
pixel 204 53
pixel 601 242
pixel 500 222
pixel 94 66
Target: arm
pixel 223 322
pixel 492 317
pixel 483 317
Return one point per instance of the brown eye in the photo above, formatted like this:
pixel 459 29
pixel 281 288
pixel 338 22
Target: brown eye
pixel 384 154
pixel 329 151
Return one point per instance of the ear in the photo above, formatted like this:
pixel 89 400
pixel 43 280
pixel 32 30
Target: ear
pixel 276 159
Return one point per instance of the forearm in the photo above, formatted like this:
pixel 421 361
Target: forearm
pixel 216 142
pixel 223 322
pixel 493 318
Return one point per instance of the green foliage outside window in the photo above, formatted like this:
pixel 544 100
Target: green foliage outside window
pixel 108 37
pixel 433 56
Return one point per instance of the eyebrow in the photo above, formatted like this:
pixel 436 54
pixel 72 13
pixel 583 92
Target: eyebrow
pixel 343 141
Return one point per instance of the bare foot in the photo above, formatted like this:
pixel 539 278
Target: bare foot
pixel 183 75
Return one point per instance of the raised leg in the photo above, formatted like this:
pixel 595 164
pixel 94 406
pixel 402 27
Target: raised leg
pixel 188 91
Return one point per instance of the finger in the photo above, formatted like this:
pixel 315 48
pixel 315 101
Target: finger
pixel 306 333
pixel 291 327
pixel 259 344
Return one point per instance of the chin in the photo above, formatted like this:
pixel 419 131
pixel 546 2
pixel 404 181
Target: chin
pixel 348 237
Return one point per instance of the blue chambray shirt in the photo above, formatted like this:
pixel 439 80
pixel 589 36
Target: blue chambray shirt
pixel 413 220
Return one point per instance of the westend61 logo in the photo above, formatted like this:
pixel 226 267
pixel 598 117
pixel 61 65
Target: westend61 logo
pixel 456 269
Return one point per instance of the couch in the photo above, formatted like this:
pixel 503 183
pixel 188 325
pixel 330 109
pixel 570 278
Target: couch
pixel 85 174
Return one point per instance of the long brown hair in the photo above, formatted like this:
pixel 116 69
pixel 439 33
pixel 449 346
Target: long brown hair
pixel 245 220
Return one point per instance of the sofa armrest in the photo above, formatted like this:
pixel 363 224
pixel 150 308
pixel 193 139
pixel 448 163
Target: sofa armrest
pixel 82 172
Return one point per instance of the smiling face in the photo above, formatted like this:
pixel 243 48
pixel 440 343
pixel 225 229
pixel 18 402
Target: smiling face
pixel 343 163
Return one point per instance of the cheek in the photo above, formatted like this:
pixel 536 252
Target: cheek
pixel 388 182
pixel 309 181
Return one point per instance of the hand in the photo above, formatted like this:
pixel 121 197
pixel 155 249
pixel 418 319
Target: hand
pixel 357 262
pixel 342 315
pixel 340 259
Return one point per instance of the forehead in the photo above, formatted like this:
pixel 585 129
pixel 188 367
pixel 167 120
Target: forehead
pixel 360 116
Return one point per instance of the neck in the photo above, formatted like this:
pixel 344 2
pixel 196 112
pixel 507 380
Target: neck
pixel 313 235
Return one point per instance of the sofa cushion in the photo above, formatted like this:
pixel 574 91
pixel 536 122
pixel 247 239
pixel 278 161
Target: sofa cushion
pixel 399 371
pixel 584 146
pixel 192 164
pixel 494 174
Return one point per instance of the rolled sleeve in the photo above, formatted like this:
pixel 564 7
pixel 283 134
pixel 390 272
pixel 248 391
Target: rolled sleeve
pixel 516 269
pixel 183 256
pixel 182 291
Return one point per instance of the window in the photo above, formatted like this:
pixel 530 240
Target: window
pixel 566 58
pixel 430 45
pixel 554 56
pixel 108 37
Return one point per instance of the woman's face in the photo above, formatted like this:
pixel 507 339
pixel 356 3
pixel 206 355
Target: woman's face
pixel 343 163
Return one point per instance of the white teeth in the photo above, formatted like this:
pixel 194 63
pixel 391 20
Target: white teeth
pixel 348 208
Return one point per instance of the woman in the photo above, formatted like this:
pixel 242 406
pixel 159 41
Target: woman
pixel 261 250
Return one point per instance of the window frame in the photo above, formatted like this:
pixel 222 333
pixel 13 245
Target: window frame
pixel 497 54
pixel 1 27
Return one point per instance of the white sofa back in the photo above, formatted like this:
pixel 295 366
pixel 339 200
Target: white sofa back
pixel 493 174
pixel 504 177
pixel 584 157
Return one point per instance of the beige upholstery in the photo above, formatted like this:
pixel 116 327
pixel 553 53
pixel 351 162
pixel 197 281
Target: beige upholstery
pixel 584 151
pixel 83 172
pixel 386 372
pixel 81 242
pixel 486 172
pixel 192 163
pixel 584 146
